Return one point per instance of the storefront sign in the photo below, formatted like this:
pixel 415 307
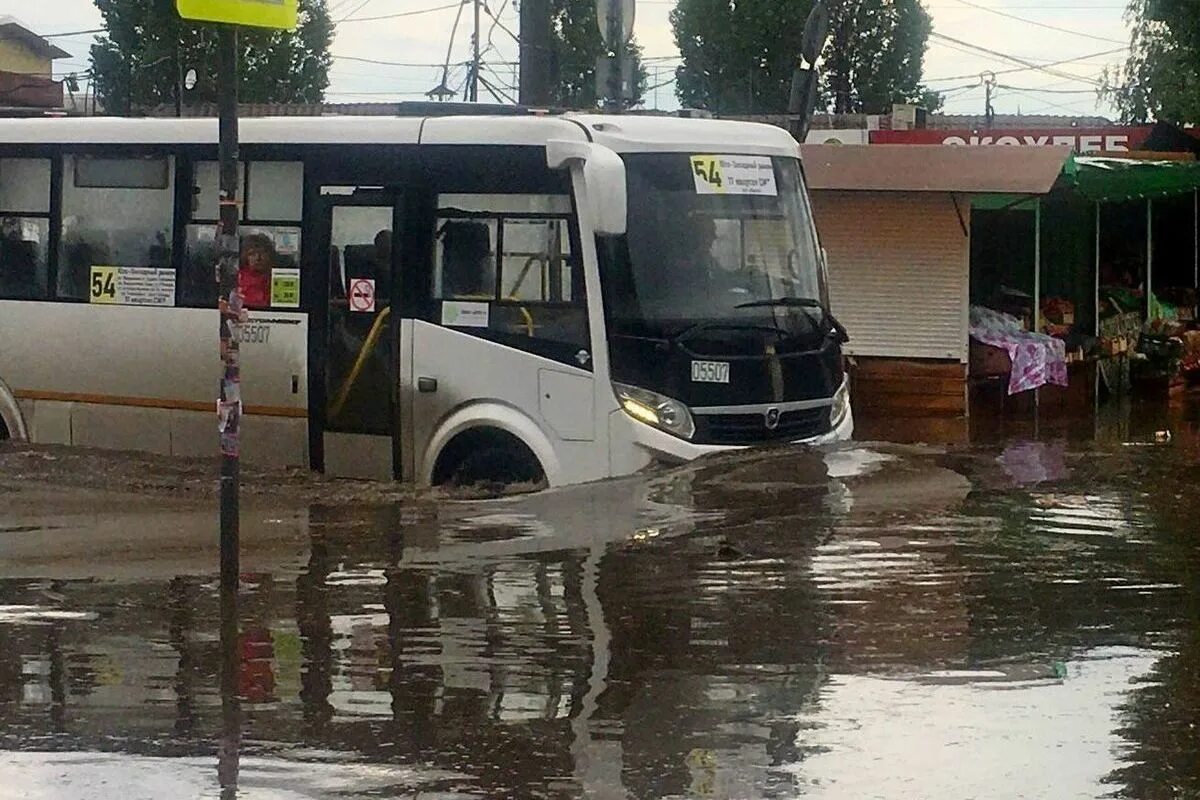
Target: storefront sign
pixel 1081 140
pixel 132 286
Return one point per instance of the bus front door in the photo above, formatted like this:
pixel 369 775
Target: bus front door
pixel 359 417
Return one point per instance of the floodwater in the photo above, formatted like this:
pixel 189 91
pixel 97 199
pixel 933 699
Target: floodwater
pixel 1013 619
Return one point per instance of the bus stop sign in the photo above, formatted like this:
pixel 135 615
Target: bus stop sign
pixel 256 13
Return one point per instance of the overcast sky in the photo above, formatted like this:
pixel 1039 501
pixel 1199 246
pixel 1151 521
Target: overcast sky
pixel 1091 29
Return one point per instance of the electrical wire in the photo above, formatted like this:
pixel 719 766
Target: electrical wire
pixel 1044 91
pixel 400 14
pixel 384 63
pixel 1045 25
pixel 1076 60
pixel 1025 64
pixel 351 13
pixel 497 21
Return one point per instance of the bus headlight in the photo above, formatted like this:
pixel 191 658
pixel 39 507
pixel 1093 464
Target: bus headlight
pixel 655 409
pixel 841 404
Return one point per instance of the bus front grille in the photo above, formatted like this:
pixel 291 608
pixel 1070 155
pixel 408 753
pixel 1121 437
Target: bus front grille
pixel 745 429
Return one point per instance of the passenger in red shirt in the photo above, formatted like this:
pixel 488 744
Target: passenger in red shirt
pixel 254 272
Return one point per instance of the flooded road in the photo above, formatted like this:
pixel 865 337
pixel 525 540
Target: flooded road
pixel 1016 619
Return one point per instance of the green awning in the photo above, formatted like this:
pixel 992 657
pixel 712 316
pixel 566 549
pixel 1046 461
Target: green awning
pixel 1119 179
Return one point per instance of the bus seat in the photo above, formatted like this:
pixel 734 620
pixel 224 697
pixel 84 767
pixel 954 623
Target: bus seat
pixel 466 259
pixel 18 267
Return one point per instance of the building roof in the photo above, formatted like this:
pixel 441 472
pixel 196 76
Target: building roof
pixel 933 168
pixel 12 29
pixel 1022 121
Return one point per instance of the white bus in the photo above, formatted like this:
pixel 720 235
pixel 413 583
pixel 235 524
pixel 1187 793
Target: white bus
pixel 438 299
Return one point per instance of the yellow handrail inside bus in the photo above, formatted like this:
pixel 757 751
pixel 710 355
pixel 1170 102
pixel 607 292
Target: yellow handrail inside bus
pixel 364 352
pixel 368 346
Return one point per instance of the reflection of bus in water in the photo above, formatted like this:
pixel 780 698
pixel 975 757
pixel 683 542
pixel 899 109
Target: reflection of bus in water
pixel 439 299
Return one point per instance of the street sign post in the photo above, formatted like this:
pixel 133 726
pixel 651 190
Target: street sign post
pixel 614 72
pixel 232 314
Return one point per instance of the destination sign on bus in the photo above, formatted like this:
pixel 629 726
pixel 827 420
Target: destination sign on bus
pixel 724 174
pixel 1116 139
pixel 131 286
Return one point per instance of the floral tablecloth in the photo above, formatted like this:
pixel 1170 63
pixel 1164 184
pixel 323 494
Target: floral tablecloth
pixel 1037 359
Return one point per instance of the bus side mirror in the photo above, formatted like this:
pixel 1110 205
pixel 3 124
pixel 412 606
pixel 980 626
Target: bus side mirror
pixel 603 181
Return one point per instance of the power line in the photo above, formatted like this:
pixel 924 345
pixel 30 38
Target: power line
pixel 1048 105
pixel 384 63
pixel 69 33
pixel 351 13
pixel 1043 66
pixel 1044 91
pixel 446 7
pixel 1045 25
pixel 502 26
pixel 1046 68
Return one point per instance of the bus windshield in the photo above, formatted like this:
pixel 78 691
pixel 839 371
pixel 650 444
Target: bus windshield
pixel 710 239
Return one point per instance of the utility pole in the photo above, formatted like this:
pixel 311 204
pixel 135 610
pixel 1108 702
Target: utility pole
pixel 613 74
pixel 989 113
pixel 535 81
pixel 474 84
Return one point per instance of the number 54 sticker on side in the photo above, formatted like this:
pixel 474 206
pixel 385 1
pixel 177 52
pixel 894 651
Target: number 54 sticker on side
pixel 717 174
pixel 710 372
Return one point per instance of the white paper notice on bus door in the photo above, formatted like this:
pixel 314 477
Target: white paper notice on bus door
pixel 724 174
pixel 460 314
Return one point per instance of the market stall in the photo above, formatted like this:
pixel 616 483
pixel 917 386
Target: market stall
pixel 1106 264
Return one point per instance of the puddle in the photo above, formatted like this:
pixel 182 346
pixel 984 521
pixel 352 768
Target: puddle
pixel 1000 621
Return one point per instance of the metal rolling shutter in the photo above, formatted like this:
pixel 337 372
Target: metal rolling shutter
pixel 899 271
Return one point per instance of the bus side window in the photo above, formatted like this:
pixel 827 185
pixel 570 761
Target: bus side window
pixel 117 212
pixel 24 227
pixel 466 259
pixel 269 252
pixel 515 253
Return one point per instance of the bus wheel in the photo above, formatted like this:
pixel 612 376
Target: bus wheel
pixel 488 459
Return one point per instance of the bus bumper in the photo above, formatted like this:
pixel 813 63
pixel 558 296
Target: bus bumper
pixel 663 446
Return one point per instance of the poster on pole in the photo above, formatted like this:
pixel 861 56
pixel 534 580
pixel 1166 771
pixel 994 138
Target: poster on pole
pixel 255 13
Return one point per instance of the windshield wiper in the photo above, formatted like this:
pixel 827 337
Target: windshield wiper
pixel 792 302
pixel 801 302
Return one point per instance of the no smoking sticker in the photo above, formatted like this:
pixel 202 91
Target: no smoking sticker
pixel 362 294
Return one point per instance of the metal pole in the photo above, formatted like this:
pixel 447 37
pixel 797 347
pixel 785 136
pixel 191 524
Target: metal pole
pixel 475 57
pixel 1196 238
pixel 1096 296
pixel 229 407
pixel 1149 255
pixel 1096 322
pixel 1037 290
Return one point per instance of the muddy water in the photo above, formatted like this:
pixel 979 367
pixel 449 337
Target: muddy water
pixel 1018 619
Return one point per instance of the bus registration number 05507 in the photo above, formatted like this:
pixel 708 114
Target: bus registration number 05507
pixel 710 371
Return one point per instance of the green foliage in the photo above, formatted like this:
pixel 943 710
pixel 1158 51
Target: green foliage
pixel 139 60
pixel 1160 79
pixel 738 55
pixel 875 54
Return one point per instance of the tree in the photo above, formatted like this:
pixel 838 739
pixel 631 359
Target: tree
pixel 577 45
pixel 1160 79
pixel 875 55
pixel 139 61
pixel 738 56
